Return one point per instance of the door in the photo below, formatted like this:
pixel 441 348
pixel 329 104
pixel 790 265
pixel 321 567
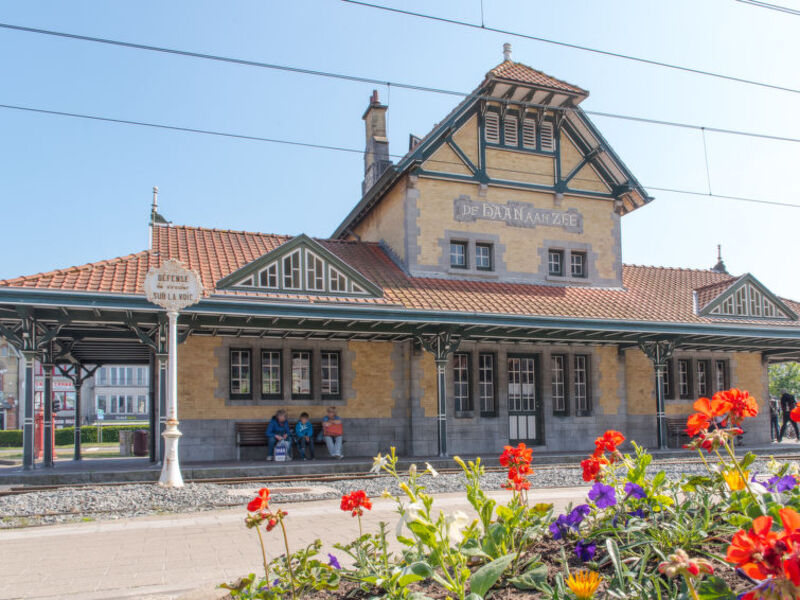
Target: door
pixel 524 408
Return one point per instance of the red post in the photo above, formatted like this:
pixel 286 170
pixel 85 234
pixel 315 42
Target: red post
pixel 38 436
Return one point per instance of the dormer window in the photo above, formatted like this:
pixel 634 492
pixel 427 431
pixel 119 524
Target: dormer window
pixel 315 272
pixel 510 131
pixel 291 271
pixel 748 300
pixel 337 281
pixel 268 278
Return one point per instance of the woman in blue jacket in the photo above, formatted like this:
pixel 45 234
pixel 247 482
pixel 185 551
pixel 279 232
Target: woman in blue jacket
pixel 277 431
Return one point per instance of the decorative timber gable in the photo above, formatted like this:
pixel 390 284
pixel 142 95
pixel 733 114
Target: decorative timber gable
pixel 743 297
pixel 300 266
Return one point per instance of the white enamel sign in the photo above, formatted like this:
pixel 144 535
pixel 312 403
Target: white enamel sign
pixel 172 286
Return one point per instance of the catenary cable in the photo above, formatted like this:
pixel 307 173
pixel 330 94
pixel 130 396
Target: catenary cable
pixel 337 148
pixel 380 82
pixel 647 61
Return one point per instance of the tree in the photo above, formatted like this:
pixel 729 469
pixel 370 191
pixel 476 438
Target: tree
pixel 784 376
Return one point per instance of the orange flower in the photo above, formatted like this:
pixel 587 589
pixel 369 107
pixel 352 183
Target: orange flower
pixel 795 414
pixel 697 423
pixel 609 441
pixel 515 457
pixel 260 502
pixel 758 551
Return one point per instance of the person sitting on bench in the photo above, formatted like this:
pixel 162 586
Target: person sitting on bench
pixel 277 431
pixel 332 430
pixel 304 434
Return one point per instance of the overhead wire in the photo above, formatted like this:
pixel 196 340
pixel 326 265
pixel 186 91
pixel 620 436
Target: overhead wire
pixel 255 138
pixel 545 40
pixel 382 82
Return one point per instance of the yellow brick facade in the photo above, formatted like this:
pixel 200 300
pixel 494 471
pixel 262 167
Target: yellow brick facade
pixel 373 385
pixel 385 222
pixel 467 139
pixel 608 380
pixel 750 374
pixel 522 245
pixel 429 398
pixel 640 383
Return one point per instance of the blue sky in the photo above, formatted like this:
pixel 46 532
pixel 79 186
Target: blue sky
pixel 74 191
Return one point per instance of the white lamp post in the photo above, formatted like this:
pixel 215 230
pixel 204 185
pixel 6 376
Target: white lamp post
pixel 172 287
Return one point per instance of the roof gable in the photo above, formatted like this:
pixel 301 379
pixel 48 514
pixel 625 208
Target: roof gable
pixel 744 297
pixel 301 265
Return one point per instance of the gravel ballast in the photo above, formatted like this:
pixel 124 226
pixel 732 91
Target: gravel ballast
pixel 135 500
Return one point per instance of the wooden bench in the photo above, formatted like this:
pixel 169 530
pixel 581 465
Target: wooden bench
pixel 254 433
pixel 676 429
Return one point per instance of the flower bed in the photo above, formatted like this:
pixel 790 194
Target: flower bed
pixel 725 534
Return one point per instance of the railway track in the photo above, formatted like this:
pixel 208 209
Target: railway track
pixel 325 477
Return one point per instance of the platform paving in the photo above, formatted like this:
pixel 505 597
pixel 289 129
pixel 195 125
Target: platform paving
pixel 141 469
pixel 170 557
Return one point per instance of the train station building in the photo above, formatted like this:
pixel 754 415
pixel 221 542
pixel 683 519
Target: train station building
pixel 475 296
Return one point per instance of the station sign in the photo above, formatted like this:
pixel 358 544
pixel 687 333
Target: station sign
pixel 517 214
pixel 172 286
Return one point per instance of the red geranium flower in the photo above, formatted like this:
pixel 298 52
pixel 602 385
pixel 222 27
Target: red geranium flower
pixel 356 502
pixel 515 457
pixel 739 404
pixel 260 502
pixel 609 441
pixel 592 467
pixel 516 481
pixel 758 551
pixel 795 414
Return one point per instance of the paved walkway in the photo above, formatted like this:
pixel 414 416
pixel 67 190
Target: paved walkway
pixel 179 557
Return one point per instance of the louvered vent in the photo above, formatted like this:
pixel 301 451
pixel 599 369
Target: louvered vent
pixel 491 128
pixel 548 141
pixel 510 131
pixel 529 133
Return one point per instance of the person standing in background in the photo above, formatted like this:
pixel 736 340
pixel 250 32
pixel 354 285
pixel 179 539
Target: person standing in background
pixel 788 402
pixel 774 423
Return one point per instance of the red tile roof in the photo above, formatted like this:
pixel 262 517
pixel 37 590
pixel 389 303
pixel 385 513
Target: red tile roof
pixel 649 293
pixel 515 71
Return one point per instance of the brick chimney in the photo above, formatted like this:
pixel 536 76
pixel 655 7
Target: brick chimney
pixel 376 153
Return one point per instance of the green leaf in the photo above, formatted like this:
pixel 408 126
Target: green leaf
pixel 414 572
pixel 504 513
pixel 472 548
pixel 530 579
pixel 658 480
pixel 474 596
pixel 484 578
pixel 424 532
pixel 714 588
pixel 613 553
pixel 747 460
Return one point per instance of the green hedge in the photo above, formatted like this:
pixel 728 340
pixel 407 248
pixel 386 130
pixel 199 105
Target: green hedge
pixel 12 438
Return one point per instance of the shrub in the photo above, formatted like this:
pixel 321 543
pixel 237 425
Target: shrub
pixel 12 438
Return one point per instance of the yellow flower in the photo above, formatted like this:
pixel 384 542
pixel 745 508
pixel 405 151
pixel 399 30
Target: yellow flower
pixel 734 480
pixel 584 584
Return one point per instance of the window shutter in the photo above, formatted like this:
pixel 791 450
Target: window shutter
pixel 529 133
pixel 548 142
pixel 510 131
pixel 491 127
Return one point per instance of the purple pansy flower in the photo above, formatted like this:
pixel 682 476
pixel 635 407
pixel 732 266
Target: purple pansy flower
pixel 639 512
pixel 333 561
pixel 603 495
pixel 633 490
pixel 585 550
pixel 781 484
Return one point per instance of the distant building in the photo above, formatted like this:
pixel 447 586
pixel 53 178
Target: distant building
pixel 9 387
pixel 120 392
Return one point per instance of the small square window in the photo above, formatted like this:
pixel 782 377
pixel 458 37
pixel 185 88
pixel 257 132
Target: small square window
pixel 483 257
pixel 555 263
pixel 458 255
pixel 578 264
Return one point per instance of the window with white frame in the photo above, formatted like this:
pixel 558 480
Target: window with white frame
pixel 529 133
pixel 315 272
pixel 141 404
pixel 559 383
pixel 330 381
pixel 521 383
pixel 580 383
pixel 268 277
pixel 491 127
pixel 458 255
pixel 577 264
pixel 291 271
pixel 548 139
pixel 666 379
pixel 555 263
pixel 336 280
pixel 100 403
pixel 483 257
pixel 721 375
pixel 684 378
pixel 271 374
pixel 240 373
pixel 102 376
pixel 301 374
pixel 510 131
pixel 486 386
pixel 461 395
pixel 702 377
